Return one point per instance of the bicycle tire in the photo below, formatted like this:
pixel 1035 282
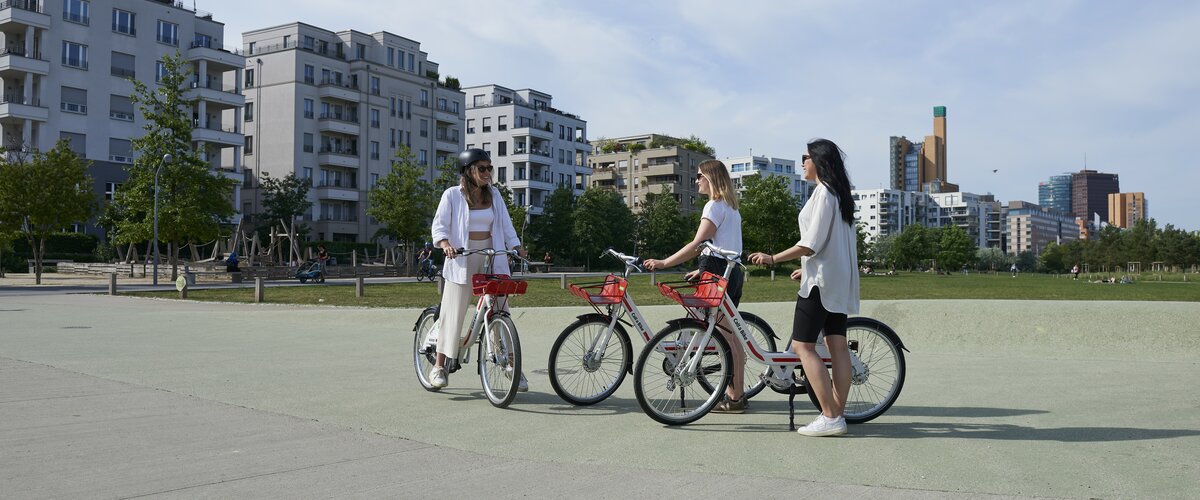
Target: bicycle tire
pixel 881 351
pixel 656 391
pixel 500 361
pixel 764 335
pixel 424 361
pixel 579 382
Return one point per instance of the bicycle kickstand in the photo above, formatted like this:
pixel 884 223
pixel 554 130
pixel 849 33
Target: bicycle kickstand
pixel 792 411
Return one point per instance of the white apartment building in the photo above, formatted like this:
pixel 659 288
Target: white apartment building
pixel 55 87
pixel 535 148
pixel 765 166
pixel 334 107
pixel 884 212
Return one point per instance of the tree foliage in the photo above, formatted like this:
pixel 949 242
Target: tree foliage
pixel 955 248
pixel 661 227
pixel 602 220
pixel 769 212
pixel 547 230
pixel 284 198
pixel 402 201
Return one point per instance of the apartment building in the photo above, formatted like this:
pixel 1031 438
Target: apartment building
pixel 766 166
pixel 921 166
pixel 638 167
pixel 535 147
pixel 1126 208
pixel 1029 227
pixel 334 107
pixel 886 212
pixel 55 87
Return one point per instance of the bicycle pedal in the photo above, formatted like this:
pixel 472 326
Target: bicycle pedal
pixel 452 365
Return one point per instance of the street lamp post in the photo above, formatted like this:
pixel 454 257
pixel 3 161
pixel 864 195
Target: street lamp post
pixel 165 159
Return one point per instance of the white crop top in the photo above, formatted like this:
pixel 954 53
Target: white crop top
pixel 481 220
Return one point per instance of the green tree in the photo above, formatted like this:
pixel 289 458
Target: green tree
pixel 954 248
pixel 284 198
pixel 769 211
pixel 1027 261
pixel 546 230
pixel 401 202
pixel 602 220
pixel 992 259
pixel 193 202
pixel 914 247
pixel 516 214
pixel 42 194
pixel 698 145
pixel 661 226
pixel 880 250
pixel 862 248
pixel 1054 259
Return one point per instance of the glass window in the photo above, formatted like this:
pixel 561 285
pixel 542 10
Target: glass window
pixel 160 71
pixel 308 143
pixel 249 114
pixel 122 22
pixel 424 98
pixel 310 74
pixel 308 108
pixel 168 33
pixel 374 118
pixel 77 11
pixel 74 55
pixel 375 85
pixel 250 78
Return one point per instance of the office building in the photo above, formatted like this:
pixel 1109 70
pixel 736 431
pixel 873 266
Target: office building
pixel 1126 208
pixel 1029 227
pixel 55 86
pixel 334 107
pixel 1055 194
pixel 766 167
pixel 921 166
pixel 535 148
pixel 639 167
pixel 1089 193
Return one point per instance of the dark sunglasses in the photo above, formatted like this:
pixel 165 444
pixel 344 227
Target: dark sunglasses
pixel 804 158
pixel 699 176
pixel 483 168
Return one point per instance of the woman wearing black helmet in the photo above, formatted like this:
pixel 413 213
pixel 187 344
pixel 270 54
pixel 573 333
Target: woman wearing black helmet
pixel 469 215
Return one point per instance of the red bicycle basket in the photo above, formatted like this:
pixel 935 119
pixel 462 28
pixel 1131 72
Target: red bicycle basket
pixel 709 291
pixel 610 291
pixel 496 284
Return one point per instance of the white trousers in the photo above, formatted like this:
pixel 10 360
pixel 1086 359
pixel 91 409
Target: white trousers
pixel 456 299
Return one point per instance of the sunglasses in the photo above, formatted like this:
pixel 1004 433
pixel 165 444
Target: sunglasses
pixel 699 176
pixel 483 168
pixel 805 158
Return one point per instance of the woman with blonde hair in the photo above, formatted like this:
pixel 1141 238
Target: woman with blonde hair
pixel 722 223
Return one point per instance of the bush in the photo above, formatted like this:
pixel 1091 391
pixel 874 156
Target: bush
pixel 75 243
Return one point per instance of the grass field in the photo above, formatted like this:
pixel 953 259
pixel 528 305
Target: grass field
pixel 903 286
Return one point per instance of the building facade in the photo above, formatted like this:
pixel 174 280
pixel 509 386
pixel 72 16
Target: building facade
pixel 639 167
pixel 1029 227
pixel 1126 208
pixel 1055 194
pixel 921 166
pixel 886 212
pixel 55 87
pixel 765 166
pixel 1089 193
pixel 335 107
pixel 535 148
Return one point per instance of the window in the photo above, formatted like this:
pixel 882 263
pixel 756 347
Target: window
pixel 308 108
pixel 120 151
pixel 478 100
pixel 502 148
pixel 160 71
pixel 373 149
pixel 374 118
pixel 375 85
pixel 110 191
pixel 375 177
pixel 77 142
pixel 454 107
pixel 501 122
pixel 424 128
pixel 168 33
pixel 501 173
pixel 392 138
pixel 307 174
pixel 424 98
pixel 120 107
pixel 471 126
pixel 77 11
pixel 308 143
pixel 487 148
pixel 393 106
pixel 122 22
pixel 391 56
pixel 442 104
pixel 74 55
pixel 360 51
pixel 423 157
pixel 249 78
pixel 310 74
pixel 400 59
pixel 309 43
pixel 74 100
pixel 411 66
pixel 249 148
pixel 249 112
pixel 121 65
pixel 487 124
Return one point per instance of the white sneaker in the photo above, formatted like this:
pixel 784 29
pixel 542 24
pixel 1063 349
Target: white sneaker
pixel 824 426
pixel 437 377
pixel 523 384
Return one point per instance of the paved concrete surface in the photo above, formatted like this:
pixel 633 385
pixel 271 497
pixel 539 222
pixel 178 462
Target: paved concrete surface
pixel 116 397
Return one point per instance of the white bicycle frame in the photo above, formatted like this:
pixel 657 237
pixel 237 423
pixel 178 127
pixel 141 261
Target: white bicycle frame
pixel 619 310
pixel 484 309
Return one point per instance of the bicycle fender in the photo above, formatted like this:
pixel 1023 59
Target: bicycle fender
pixel 603 317
pixel 685 321
pixel 746 314
pixel 436 310
pixel 881 326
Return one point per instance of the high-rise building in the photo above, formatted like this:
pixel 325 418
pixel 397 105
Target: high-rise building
pixel 535 148
pixel 640 166
pixel 1055 194
pixel 335 107
pixel 141 32
pixel 1089 193
pixel 921 166
pixel 1126 208
pixel 764 166
pixel 885 212
pixel 1029 227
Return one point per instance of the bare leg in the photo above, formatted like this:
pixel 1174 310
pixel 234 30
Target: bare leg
pixel 818 377
pixel 840 356
pixel 738 385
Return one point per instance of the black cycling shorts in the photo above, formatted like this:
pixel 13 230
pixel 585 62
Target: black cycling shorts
pixel 811 317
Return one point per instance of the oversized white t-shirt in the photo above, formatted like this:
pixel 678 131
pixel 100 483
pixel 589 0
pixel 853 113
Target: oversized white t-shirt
pixel 728 222
pixel 833 266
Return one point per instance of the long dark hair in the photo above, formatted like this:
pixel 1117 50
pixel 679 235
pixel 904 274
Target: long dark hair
pixel 831 170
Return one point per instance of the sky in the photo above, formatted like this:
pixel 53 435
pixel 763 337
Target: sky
pixel 1032 88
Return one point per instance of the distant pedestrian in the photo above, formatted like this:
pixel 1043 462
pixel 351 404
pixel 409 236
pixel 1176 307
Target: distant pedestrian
pixel 964 270
pixel 1075 271
pixel 1013 269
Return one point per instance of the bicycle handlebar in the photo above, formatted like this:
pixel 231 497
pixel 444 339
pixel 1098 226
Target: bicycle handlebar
pixel 490 252
pixel 629 260
pixel 729 255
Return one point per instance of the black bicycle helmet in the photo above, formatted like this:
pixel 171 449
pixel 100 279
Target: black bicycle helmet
pixel 469 157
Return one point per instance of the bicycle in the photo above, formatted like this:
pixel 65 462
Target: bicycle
pixel 591 357
pixel 686 353
pixel 499 357
pixel 427 270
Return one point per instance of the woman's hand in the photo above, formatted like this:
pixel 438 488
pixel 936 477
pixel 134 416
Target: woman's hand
pixel 692 276
pixel 523 253
pixel 448 250
pixel 653 264
pixel 796 274
pixel 762 259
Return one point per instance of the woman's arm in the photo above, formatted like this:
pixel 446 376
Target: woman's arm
pixel 706 231
pixel 792 253
pixel 442 223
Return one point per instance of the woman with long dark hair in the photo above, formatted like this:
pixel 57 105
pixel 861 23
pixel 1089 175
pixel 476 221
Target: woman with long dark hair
pixel 828 276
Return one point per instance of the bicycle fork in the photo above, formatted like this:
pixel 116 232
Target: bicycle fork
pixel 595 352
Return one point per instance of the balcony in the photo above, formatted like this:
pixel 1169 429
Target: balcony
pixel 219 59
pixel 660 169
pixel 445 115
pixel 347 158
pixel 15 106
pixel 341 124
pixel 214 133
pixel 212 92
pixel 527 130
pixel 335 192
pixel 23 13
pixel 446 142
pixel 335 89
pixel 17 59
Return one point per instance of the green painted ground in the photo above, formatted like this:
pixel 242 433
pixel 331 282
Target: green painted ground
pixel 546 292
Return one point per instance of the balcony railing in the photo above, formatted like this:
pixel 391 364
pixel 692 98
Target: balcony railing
pixel 20 99
pixel 75 62
pixel 19 51
pixel 340 118
pixel 120 159
pixel 339 218
pixel 215 84
pixel 123 72
pixel 338 83
pixel 169 40
pixel 76 18
pixel 215 45
pixel 337 151
pixel 29 5
pixel 121 115
pixel 351 184
pixel 213 125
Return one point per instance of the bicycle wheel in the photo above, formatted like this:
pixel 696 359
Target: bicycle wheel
pixel 580 377
pixel 424 354
pixel 876 385
pixel 500 361
pixel 677 399
pixel 764 336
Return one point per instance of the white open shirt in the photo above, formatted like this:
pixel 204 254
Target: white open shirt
pixel 833 266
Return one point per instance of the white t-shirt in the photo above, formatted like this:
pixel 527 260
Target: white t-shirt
pixel 833 266
pixel 728 222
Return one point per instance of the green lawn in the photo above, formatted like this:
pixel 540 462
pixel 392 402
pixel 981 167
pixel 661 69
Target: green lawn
pixel 546 292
